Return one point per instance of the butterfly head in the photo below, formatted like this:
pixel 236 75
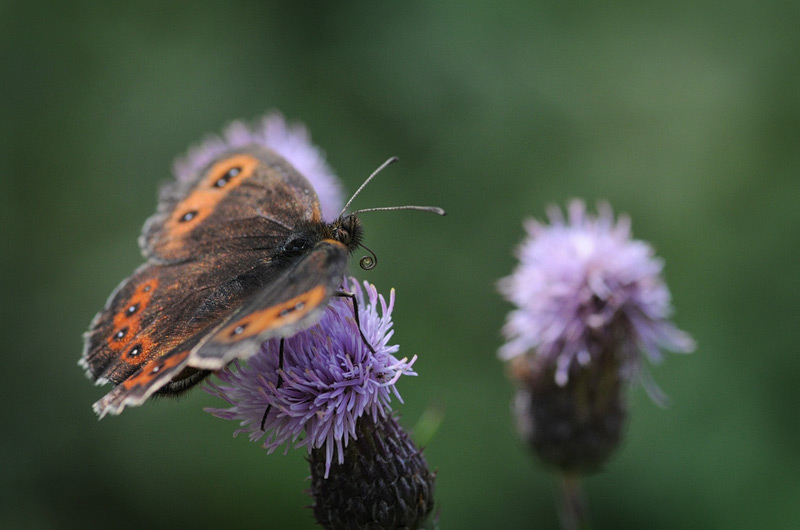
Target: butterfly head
pixel 348 231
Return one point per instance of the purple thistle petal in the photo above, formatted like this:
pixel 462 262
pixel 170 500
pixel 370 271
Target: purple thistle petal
pixel 330 379
pixel 582 284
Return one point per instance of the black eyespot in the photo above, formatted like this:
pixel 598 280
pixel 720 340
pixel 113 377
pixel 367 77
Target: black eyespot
pixel 155 369
pixel 238 330
pixel 298 306
pixel 188 216
pixel 132 309
pixel 147 288
pixel 135 351
pixel 224 179
pixel 119 335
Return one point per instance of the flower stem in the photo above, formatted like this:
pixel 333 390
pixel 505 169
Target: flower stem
pixel 574 511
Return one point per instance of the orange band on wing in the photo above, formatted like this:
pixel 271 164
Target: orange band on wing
pixel 128 322
pixel 273 317
pixel 155 369
pixel 222 178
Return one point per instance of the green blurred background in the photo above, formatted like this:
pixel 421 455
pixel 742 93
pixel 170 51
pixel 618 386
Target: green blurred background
pixel 685 115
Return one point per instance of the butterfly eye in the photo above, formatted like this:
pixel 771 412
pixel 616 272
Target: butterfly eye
pixel 295 246
pixel 342 234
pixel 224 179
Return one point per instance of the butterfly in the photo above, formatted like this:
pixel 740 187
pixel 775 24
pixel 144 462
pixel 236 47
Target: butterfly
pixel 234 256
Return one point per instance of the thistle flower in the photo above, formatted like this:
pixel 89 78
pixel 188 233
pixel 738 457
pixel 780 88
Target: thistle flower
pixel 330 379
pixel 589 302
pixel 582 284
pixel 292 142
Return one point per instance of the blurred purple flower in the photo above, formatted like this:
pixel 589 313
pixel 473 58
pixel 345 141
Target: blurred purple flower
pixel 292 142
pixel 330 379
pixel 582 285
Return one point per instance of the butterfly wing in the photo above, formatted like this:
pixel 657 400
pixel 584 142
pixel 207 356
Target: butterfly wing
pixel 162 311
pixel 201 269
pixel 248 199
pixel 143 383
pixel 293 301
pixel 141 343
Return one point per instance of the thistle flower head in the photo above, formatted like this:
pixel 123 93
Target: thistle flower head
pixel 589 300
pixel 292 142
pixel 583 286
pixel 330 379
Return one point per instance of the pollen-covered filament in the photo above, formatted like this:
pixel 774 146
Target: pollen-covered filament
pixel 276 316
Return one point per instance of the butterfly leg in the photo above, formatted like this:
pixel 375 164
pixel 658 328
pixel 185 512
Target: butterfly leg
pixel 278 385
pixel 352 297
pixel 343 294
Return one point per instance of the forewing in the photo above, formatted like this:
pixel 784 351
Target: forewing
pixel 247 199
pixel 293 301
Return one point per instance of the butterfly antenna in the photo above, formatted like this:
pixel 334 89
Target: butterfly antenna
pixel 383 166
pixel 369 262
pixel 392 160
pixel 430 209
